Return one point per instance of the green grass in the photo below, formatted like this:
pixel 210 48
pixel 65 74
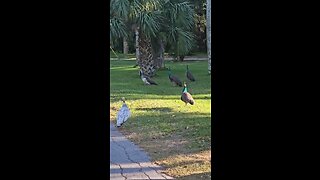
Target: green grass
pixel 160 122
pixel 132 55
pixel 199 54
pixel 121 55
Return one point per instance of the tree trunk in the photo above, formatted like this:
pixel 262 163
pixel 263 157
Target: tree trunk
pixel 159 56
pixel 125 46
pixel 136 31
pixel 209 34
pixel 146 61
pixel 181 58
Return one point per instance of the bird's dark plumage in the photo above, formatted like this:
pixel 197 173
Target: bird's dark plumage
pixel 186 96
pixel 189 74
pixel 174 79
pixel 151 81
pixel 147 80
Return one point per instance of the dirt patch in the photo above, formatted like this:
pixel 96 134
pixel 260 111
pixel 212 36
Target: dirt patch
pixel 172 152
pixel 113 112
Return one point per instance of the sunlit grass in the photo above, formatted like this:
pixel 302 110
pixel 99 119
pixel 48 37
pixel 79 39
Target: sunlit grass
pixel 161 123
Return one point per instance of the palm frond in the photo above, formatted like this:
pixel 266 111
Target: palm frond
pixel 118 28
pixel 172 34
pixel 184 42
pixel 185 16
pixel 136 7
pixel 152 5
pixel 181 14
pixel 149 22
pixel 120 7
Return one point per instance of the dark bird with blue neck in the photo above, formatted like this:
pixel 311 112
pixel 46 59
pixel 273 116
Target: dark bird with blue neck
pixel 186 96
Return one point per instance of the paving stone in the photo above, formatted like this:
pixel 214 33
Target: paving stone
pixel 128 161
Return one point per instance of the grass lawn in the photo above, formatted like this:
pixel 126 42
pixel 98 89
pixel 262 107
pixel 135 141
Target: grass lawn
pixel 201 54
pixel 121 55
pixel 176 136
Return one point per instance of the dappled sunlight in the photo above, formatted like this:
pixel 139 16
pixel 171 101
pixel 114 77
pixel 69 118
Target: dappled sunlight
pixel 136 96
pixel 174 134
pixel 125 82
pixel 189 157
pixel 187 164
pixel 173 103
pixel 123 59
pixel 124 68
pixel 177 126
pixel 164 108
pixel 161 109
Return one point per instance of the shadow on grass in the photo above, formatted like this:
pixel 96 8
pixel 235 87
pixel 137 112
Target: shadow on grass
pixel 200 176
pixel 171 133
pixel 134 97
pixel 170 136
pixel 162 109
pixel 164 132
pixel 125 81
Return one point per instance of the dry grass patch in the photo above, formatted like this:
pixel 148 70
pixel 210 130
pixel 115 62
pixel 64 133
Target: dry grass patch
pixel 176 136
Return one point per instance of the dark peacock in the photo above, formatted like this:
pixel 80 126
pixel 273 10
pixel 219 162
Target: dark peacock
pixel 146 80
pixel 123 114
pixel 189 74
pixel 186 96
pixel 174 79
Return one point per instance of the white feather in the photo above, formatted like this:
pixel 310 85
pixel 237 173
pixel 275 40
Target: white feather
pixel 145 80
pixel 123 115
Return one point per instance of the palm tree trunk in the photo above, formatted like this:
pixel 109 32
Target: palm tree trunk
pixel 159 56
pixel 146 61
pixel 125 46
pixel 136 31
pixel 209 34
pixel 181 58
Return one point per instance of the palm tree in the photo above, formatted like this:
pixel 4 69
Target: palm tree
pixel 154 22
pixel 118 28
pixel 209 34
pixel 144 16
pixel 178 27
pixel 125 46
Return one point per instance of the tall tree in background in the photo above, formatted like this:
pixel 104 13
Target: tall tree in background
pixel 208 9
pixel 176 31
pixel 143 16
pixel 209 34
pixel 136 45
pixel 155 22
pixel 118 20
pixel 200 25
pixel 125 46
pixel 179 27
